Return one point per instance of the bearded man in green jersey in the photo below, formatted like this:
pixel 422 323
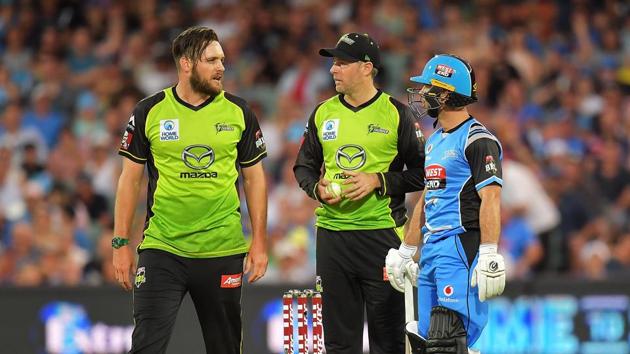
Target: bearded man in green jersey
pixel 194 138
pixel 364 138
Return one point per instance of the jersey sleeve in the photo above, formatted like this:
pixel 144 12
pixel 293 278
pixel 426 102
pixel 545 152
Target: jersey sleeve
pixel 411 151
pixel 135 144
pixel 307 168
pixel 483 153
pixel 251 148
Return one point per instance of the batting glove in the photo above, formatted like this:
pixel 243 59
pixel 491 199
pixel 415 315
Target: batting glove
pixel 489 274
pixel 412 269
pixel 395 265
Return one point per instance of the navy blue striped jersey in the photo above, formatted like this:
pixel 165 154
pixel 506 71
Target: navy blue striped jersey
pixel 458 163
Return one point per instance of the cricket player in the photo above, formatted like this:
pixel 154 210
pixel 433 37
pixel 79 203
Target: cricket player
pixel 363 138
pixel 460 213
pixel 195 139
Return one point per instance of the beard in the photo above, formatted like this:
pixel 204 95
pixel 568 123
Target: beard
pixel 205 87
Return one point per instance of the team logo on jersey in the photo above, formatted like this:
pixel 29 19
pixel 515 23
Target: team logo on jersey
pixel 491 167
pixel 230 281
pixel 350 157
pixel 128 135
pixel 131 125
pixel 444 70
pixel 448 290
pixel 141 277
pixel 260 140
pixel 198 157
pixel 169 129
pixel 449 154
pixel 330 129
pixel 374 128
pixel 126 140
pixel 223 127
pixel 435 176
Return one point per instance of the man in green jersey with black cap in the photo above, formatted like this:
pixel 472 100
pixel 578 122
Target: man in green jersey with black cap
pixel 364 138
pixel 194 138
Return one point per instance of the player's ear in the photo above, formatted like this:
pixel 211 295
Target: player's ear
pixel 367 68
pixel 185 64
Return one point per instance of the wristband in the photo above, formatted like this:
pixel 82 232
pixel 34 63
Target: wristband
pixel 118 242
pixel 487 248
pixel 407 251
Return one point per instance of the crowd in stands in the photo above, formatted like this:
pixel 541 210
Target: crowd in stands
pixel 553 78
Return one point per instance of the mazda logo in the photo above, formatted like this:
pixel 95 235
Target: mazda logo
pixel 198 157
pixel 350 157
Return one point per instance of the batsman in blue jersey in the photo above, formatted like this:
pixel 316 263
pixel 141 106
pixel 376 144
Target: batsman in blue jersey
pixel 459 212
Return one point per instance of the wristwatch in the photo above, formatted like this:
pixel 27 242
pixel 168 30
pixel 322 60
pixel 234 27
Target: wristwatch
pixel 118 242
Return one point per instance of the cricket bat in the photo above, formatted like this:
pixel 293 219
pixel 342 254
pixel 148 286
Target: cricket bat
pixel 409 309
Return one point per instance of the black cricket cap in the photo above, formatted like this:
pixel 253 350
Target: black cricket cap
pixel 355 47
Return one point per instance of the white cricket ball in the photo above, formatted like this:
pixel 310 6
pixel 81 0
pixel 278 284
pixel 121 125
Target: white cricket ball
pixel 334 189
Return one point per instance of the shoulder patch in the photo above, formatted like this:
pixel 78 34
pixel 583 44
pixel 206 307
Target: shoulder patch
pixel 478 131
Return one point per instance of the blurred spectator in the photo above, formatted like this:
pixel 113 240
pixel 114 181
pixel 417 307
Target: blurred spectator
pixel 9 92
pixel 15 137
pixel 611 176
pixel 33 169
pixel 81 58
pixel 594 257
pixel 87 126
pixel 42 116
pixel 103 168
pixel 95 203
pixel 66 161
pixel 302 82
pixel 501 72
pixel 17 57
pixel 157 74
pixel 100 270
pixel 20 256
pixel 11 193
pixel 621 255
pixel 519 245
pixel 526 201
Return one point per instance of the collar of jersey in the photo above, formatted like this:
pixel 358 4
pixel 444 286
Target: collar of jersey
pixel 361 106
pixel 458 125
pixel 186 104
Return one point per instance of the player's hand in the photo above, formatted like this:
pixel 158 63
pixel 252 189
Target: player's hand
pixel 256 261
pixel 360 184
pixel 323 194
pixel 411 270
pixel 489 274
pixel 396 265
pixel 124 267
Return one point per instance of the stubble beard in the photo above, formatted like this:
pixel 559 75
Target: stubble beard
pixel 342 88
pixel 204 87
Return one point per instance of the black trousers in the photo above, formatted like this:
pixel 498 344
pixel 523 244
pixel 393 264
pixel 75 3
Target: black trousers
pixel 161 282
pixel 351 266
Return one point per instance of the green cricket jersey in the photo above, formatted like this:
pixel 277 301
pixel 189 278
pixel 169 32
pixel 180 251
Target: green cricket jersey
pixel 193 154
pixel 380 136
